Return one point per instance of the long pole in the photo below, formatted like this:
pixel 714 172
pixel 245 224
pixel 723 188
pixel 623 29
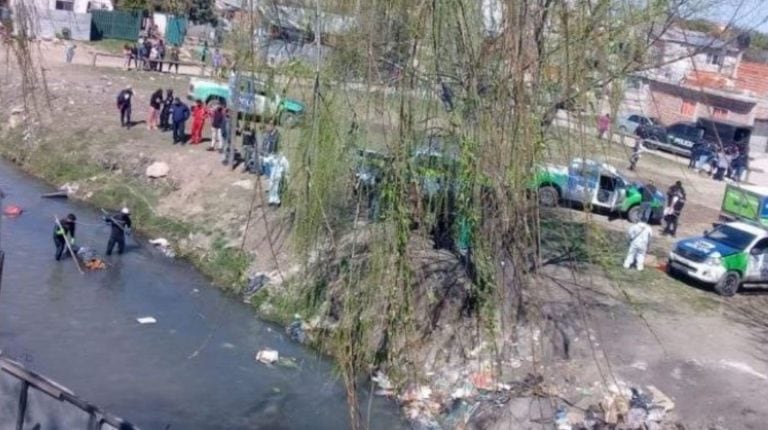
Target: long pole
pixel 69 247
pixel 114 221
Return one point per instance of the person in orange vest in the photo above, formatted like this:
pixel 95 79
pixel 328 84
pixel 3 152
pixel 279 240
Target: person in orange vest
pixel 199 113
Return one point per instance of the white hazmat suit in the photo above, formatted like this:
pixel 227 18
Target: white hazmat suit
pixel 639 238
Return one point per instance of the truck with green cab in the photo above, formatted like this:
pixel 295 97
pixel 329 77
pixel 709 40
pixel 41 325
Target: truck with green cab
pixel 253 99
pixel 595 185
pixel 732 254
pixel 745 203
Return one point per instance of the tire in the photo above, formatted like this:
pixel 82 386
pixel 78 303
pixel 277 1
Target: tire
pixel 634 214
pixel 548 196
pixel 623 130
pixel 729 284
pixel 289 119
pixel 648 143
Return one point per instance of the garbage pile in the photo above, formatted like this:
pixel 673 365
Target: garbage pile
pixel 623 408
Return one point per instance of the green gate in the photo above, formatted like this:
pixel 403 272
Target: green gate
pixel 175 30
pixel 115 24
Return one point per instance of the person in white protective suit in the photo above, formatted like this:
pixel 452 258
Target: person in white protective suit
pixel 639 235
pixel 277 172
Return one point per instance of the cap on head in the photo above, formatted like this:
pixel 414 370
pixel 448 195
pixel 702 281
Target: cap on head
pixel 71 217
pixel 125 211
pixel 679 183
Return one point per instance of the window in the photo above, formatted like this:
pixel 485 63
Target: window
pixel 677 129
pixel 719 113
pixel 688 108
pixel 714 58
pixel 760 247
pixel 730 236
pixel 634 118
pixel 65 5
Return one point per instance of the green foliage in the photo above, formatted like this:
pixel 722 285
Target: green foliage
pixel 133 4
pixel 201 11
pixel 226 264
pixel 701 25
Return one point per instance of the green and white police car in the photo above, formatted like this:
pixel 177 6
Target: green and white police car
pixel 730 255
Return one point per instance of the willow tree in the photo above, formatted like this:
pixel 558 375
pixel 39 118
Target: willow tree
pixel 511 65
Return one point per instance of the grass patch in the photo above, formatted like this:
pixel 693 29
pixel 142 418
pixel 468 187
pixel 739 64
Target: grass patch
pixel 589 244
pixel 112 46
pixel 225 264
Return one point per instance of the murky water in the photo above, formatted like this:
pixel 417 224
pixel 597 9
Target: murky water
pixel 193 369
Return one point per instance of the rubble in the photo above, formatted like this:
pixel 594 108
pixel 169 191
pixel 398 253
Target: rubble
pixel 158 169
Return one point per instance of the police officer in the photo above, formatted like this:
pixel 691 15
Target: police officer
pixel 121 225
pixel 64 233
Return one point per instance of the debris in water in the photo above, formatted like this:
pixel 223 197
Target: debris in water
pixel 295 330
pixel 267 356
pixel 287 362
pixel 164 246
pixel 146 320
pixel 12 211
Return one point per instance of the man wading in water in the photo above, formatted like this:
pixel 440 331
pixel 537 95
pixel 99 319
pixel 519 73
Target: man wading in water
pixel 64 233
pixel 121 224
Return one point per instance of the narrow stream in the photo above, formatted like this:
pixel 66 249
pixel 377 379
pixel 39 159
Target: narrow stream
pixel 193 369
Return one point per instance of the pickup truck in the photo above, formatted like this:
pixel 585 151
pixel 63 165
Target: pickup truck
pixel 727 257
pixel 596 185
pixel 254 99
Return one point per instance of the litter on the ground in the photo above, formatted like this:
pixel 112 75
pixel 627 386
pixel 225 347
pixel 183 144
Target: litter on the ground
pixel 146 320
pixel 381 380
pixel 255 283
pixel 267 356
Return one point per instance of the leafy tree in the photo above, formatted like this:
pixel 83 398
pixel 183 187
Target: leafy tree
pixel 132 4
pixel 201 11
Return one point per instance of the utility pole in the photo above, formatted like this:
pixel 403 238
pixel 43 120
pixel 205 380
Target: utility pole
pixel 234 89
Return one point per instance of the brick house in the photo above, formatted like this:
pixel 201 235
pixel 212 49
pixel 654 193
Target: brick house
pixel 703 77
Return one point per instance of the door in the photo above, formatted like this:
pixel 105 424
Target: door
pixel 578 186
pixel 607 192
pixel 757 264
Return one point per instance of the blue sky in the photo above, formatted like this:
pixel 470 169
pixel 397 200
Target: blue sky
pixel 751 14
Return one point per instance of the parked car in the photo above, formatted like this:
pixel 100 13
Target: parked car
pixel 628 123
pixel 727 257
pixel 678 138
pixel 596 185
pixel 253 97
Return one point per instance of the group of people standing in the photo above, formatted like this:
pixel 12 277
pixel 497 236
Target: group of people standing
pixel 168 113
pixel 729 162
pixel 150 55
pixel 64 233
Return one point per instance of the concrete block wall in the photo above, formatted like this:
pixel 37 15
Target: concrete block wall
pixel 52 22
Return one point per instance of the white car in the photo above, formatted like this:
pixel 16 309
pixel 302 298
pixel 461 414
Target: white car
pixel 628 123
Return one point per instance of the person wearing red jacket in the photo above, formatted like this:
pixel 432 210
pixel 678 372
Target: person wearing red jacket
pixel 199 113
